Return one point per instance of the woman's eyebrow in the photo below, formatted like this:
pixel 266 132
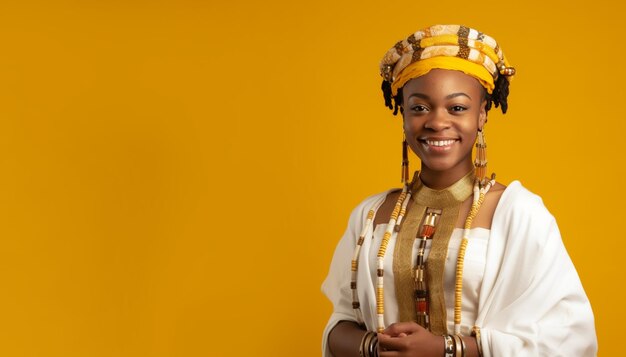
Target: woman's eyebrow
pixel 419 95
pixel 454 95
pixel 449 96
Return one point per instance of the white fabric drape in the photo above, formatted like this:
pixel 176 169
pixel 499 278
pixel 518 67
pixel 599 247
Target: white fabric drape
pixel 530 301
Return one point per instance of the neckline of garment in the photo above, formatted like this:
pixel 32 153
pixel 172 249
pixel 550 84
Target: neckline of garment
pixel 451 195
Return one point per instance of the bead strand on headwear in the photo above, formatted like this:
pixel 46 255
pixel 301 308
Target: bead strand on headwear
pixel 480 162
pixel 380 257
pixel 479 198
pixel 356 305
pixel 405 182
pixel 405 162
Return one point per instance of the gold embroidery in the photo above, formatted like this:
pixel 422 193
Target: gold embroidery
pixel 449 200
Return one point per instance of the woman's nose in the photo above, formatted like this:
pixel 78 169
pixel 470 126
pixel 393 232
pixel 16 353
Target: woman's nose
pixel 438 120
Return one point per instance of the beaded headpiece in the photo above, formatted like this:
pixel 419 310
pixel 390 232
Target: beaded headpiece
pixel 453 47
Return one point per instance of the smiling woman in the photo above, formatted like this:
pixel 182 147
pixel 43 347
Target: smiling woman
pixel 444 112
pixel 454 264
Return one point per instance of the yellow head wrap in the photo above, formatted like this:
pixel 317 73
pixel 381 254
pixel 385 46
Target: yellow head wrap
pixel 452 47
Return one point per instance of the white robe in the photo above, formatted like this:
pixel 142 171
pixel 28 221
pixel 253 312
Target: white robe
pixel 531 301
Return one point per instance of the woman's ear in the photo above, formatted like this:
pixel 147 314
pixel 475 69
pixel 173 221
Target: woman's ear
pixel 482 116
pixel 404 128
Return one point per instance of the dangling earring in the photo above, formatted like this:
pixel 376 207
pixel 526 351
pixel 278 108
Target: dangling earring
pixel 405 162
pixel 480 162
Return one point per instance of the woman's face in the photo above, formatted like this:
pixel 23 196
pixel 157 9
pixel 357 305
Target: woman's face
pixel 443 111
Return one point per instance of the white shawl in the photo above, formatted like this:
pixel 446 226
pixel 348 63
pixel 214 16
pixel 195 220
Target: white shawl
pixel 531 300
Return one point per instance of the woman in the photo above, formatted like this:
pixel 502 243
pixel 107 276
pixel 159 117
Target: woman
pixel 454 264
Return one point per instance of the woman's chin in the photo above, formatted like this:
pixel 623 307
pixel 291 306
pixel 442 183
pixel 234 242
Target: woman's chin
pixel 442 167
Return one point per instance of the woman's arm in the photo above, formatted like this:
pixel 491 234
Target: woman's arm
pixel 400 339
pixel 342 328
pixel 410 339
pixel 345 338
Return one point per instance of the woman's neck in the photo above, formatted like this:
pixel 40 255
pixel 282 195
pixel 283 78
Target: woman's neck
pixel 438 180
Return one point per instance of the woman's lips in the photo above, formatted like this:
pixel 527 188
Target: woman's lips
pixel 438 144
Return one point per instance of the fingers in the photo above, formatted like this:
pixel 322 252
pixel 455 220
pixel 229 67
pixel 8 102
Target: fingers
pixel 405 328
pixel 391 343
pixel 400 337
pixel 382 353
pixel 408 339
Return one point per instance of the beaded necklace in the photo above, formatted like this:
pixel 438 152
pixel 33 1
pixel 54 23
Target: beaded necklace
pixel 356 306
pixel 481 187
pixel 396 216
pixel 421 290
pixel 480 191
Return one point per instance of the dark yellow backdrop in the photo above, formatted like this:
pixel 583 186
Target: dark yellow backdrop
pixel 175 175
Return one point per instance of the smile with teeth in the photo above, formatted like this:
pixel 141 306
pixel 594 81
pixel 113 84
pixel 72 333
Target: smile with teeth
pixel 439 143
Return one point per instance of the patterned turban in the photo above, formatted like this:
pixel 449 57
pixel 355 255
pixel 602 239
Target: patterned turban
pixel 453 47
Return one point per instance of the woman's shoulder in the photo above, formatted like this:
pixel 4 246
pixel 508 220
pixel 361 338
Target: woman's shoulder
pixel 519 204
pixel 488 207
pixel 384 211
pixel 516 196
pixel 359 213
pixel 512 200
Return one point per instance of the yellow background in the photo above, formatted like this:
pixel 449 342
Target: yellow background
pixel 175 175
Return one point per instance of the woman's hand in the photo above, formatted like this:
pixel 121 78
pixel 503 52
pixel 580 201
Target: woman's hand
pixel 409 339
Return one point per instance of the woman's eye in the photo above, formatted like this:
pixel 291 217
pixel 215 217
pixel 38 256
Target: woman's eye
pixel 458 108
pixel 419 108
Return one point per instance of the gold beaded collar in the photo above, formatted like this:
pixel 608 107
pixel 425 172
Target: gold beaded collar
pixel 449 196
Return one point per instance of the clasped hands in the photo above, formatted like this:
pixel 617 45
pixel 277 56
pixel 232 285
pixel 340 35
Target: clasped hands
pixel 409 339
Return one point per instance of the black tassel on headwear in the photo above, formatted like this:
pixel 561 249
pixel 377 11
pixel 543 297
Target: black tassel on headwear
pixel 386 87
pixel 501 93
pixel 397 100
pixel 391 102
